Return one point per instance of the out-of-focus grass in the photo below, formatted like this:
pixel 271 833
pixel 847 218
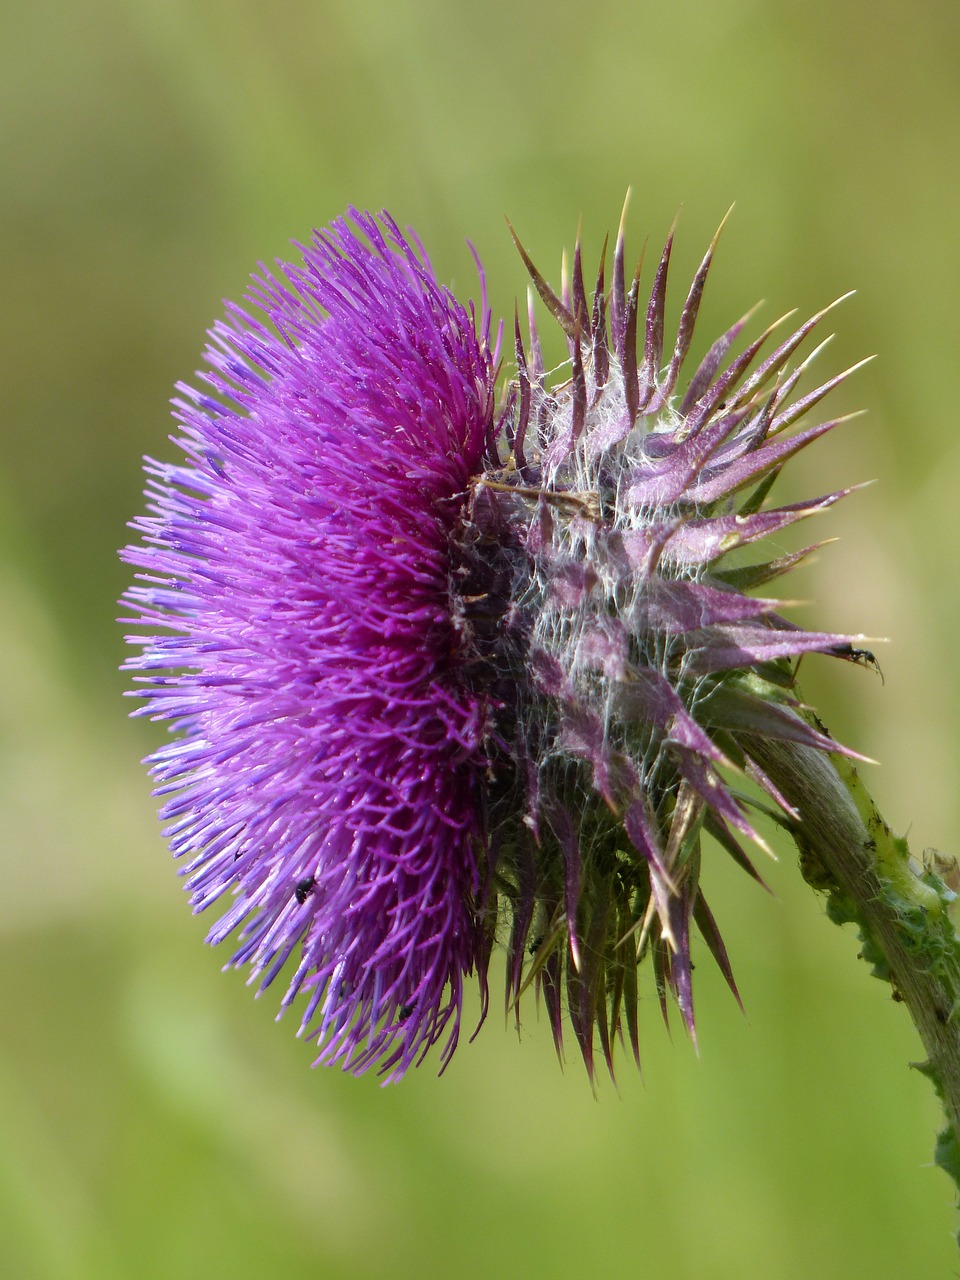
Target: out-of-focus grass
pixel 153 1121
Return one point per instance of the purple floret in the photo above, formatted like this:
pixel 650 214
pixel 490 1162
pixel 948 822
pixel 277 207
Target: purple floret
pixel 329 757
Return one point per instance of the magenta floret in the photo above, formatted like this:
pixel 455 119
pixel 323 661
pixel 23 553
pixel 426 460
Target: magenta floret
pixel 295 583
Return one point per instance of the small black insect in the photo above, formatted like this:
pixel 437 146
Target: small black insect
pixel 304 888
pixel 404 1012
pixel 862 657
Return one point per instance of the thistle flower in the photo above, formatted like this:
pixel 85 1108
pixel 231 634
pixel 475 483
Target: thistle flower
pixel 447 674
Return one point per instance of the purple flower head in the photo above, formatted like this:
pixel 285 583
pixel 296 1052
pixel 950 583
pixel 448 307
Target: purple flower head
pixel 445 675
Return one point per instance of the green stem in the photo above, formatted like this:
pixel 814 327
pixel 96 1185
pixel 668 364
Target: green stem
pixel 901 910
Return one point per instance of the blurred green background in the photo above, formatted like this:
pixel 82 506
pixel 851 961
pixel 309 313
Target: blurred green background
pixel 153 1120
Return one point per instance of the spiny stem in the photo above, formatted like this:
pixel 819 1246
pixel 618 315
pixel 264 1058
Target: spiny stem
pixel 848 851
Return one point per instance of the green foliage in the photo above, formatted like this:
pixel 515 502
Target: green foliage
pixel 919 902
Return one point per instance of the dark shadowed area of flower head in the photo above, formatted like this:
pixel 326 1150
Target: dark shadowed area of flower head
pixel 450 670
